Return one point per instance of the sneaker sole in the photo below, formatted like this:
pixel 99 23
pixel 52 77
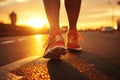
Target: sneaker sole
pixel 74 49
pixel 55 53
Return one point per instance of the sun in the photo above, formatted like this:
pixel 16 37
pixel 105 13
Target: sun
pixel 35 22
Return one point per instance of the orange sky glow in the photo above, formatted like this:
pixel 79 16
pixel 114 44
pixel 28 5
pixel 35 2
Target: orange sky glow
pixel 94 13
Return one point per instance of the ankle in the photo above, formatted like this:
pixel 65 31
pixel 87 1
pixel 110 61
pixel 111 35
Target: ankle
pixel 53 32
pixel 73 28
pixel 54 29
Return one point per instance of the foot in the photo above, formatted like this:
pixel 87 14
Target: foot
pixel 73 40
pixel 55 47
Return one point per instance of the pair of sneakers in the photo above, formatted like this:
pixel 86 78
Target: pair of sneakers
pixel 56 46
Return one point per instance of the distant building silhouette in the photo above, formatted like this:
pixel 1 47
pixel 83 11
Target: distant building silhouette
pixel 13 18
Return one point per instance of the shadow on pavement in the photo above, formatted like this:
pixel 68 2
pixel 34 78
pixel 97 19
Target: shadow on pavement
pixel 99 63
pixel 60 70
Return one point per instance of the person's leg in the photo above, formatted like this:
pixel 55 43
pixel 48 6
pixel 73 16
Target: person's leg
pixel 73 9
pixel 52 8
pixel 73 37
pixel 55 47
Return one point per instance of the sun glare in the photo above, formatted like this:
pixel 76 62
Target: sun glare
pixel 35 22
pixel 20 0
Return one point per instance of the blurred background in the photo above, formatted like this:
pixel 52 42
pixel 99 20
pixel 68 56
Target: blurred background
pixel 28 16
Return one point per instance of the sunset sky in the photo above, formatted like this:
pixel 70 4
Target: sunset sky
pixel 94 13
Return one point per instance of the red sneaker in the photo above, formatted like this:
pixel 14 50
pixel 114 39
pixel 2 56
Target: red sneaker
pixel 73 40
pixel 55 47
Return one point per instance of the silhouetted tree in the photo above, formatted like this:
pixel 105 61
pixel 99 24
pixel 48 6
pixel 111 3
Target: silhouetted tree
pixel 118 3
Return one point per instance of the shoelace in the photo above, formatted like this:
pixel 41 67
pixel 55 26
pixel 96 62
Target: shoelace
pixel 48 42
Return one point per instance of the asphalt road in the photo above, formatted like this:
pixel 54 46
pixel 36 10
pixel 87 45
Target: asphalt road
pixel 106 45
pixel 99 59
pixel 15 48
pixel 103 44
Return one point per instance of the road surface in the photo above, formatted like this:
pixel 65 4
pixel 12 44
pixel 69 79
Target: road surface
pixel 15 48
pixel 99 59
